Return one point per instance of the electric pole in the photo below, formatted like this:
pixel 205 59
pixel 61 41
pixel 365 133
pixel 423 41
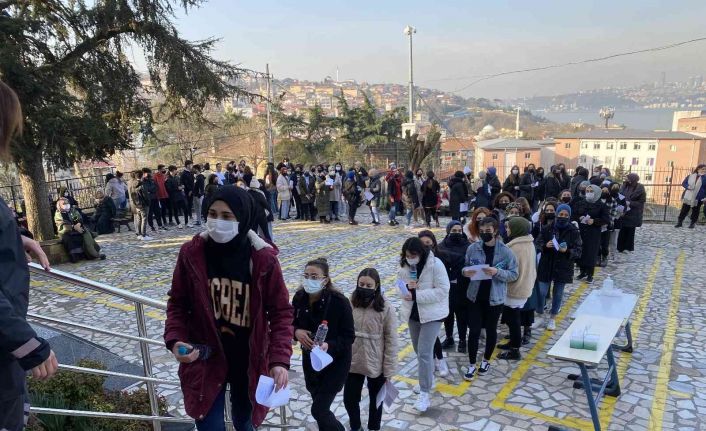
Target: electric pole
pixel 409 31
pixel 270 143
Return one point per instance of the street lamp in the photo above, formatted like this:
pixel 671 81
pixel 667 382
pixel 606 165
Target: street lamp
pixel 409 31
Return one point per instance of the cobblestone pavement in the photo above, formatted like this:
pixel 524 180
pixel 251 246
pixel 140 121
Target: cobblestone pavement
pixel 663 382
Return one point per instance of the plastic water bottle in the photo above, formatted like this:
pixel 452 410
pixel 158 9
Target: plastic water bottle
pixel 320 337
pixel 413 272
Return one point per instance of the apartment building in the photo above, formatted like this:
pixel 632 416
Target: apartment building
pixel 505 153
pixel 457 153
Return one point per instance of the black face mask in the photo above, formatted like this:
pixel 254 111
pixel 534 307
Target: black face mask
pixel 487 236
pixel 503 205
pixel 456 237
pixel 549 216
pixel 366 295
pixel 566 199
pixel 306 174
pixel 562 222
pixel 605 195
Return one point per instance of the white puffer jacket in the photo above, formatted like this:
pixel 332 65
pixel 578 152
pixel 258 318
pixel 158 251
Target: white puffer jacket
pixel 432 292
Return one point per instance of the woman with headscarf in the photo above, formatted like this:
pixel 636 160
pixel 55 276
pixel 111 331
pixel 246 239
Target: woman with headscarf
pixel 591 214
pixel 580 177
pixel 634 195
pixel 500 205
pixel 228 315
pixel 518 291
pixel 556 265
pixel 482 191
pixel 694 195
pixel 77 238
pixel 452 252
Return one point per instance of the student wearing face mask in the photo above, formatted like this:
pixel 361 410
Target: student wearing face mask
pixel 375 188
pixel 78 240
pixel 452 252
pixel 458 195
pixel 635 198
pixel 486 297
pixel 316 302
pixel 424 307
pixel 512 182
pixel 529 184
pixel 228 316
pixel 335 187
pixel 430 199
pixel 580 177
pixel 553 183
pixel 591 214
pixel 694 195
pixel 556 266
pixel 284 194
pixel 608 229
pixel 374 349
pixel 323 193
pixel 472 228
pixel 500 209
pixel 307 193
pixel 565 197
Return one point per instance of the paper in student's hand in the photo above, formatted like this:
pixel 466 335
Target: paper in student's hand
pixel 555 243
pixel 328 182
pixel 621 196
pixel 388 394
pixel 368 196
pixel 381 396
pixel 266 395
pixel 463 207
pixel 479 274
pixel 402 288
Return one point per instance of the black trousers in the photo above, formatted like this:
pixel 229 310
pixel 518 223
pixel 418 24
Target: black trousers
pixel 298 204
pixel 429 213
pixel 482 315
pixel 351 399
pixel 166 209
pixel 605 244
pixel 307 211
pixel 154 212
pixel 352 209
pixel 179 207
pixel 438 351
pixel 511 316
pixel 626 239
pixel 323 387
pixel 189 208
pixel 457 312
pixel 694 212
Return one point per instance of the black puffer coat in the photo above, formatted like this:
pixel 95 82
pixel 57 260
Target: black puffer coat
pixel 554 265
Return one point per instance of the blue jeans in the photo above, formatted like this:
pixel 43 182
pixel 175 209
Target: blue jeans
pixel 393 211
pixel 410 211
pixel 273 201
pixel 334 210
pixel 557 297
pixel 241 411
pixel 284 210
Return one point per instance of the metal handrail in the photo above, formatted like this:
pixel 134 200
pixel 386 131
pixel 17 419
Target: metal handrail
pixel 139 302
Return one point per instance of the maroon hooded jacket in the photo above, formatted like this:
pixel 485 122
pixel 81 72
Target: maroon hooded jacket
pixel 190 319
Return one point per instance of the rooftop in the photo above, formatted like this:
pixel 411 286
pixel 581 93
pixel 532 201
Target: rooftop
pixel 627 134
pixel 514 144
pixel 453 144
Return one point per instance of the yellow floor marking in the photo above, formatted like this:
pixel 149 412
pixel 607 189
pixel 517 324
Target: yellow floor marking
pixel 668 344
pixel 678 394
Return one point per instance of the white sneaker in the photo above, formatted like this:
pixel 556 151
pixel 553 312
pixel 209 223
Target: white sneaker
pixel 551 325
pixel 180 226
pixel 189 225
pixel 147 238
pixel 139 237
pixel 538 322
pixel 443 368
pixel 423 402
pixel 416 389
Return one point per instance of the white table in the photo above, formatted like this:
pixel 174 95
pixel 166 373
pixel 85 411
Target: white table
pixel 606 328
pixel 619 305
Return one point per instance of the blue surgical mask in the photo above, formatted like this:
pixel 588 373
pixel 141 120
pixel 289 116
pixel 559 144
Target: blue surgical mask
pixel 312 286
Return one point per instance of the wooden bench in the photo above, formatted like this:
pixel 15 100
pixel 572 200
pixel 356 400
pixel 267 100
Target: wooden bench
pixel 122 219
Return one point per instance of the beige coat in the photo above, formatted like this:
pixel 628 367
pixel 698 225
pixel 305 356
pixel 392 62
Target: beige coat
pixel 375 345
pixel 524 251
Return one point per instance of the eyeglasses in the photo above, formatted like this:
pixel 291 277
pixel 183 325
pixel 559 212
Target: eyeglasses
pixel 313 277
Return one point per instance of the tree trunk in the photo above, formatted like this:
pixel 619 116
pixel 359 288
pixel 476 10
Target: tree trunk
pixel 36 197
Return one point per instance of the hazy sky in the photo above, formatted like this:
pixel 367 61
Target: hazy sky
pixel 308 39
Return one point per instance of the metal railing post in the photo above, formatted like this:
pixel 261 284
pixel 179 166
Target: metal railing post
pixel 147 364
pixel 283 415
pixel 669 193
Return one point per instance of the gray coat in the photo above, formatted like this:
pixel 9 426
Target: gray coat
pixel 506 263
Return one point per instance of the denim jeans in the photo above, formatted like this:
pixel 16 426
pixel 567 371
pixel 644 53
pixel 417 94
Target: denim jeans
pixel 393 211
pixel 240 407
pixel 273 201
pixel 557 297
pixel 334 210
pixel 284 210
pixel 410 211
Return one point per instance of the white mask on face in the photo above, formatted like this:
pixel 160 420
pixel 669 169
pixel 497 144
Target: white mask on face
pixel 313 286
pixel 222 231
pixel 67 207
pixel 413 261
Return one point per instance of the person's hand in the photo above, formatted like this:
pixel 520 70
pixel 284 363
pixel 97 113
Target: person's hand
pixel 468 273
pixel 304 338
pixel 408 297
pixel 412 284
pixel 563 249
pixel 491 271
pixel 280 376
pixel 324 347
pixel 550 244
pixel 589 221
pixel 392 200
pixel 47 368
pixel 32 247
pixel 189 357
pixel 517 187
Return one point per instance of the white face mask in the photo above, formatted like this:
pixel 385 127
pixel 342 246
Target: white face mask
pixel 67 207
pixel 313 286
pixel 515 172
pixel 222 231
pixel 413 261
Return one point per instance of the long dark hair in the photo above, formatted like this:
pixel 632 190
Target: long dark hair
pixel 699 166
pixel 378 301
pixel 542 219
pixel 414 245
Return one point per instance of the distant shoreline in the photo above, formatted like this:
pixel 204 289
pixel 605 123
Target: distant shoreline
pixel 642 118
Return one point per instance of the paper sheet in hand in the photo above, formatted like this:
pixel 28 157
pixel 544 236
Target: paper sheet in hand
pixel 555 243
pixel 328 182
pixel 265 394
pixel 402 288
pixel 388 394
pixel 463 207
pixel 621 196
pixel 368 196
pixel 479 275
pixel 319 359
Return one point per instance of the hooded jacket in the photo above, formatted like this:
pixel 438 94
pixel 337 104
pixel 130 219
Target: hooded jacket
pixel 432 291
pixel 190 318
pixel 375 345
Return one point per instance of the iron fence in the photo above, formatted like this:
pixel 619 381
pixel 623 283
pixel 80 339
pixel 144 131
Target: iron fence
pixel 83 189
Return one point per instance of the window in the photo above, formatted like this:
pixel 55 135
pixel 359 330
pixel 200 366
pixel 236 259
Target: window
pixel 650 161
pixel 636 146
pixel 582 159
pixel 621 161
pixel 528 155
pixel 567 145
pixel 608 160
pixel 635 161
pixel 609 145
pixel 584 145
pixel 652 147
pixel 693 127
pixel 596 146
pixel 495 156
pixel 672 148
pixel 670 163
pixel 623 145
pixel 648 177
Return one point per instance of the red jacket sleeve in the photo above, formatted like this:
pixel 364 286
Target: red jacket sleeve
pixel 280 315
pixel 178 306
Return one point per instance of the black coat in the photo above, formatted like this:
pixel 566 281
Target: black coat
pixel 409 189
pixel 526 189
pixel 590 234
pixel 458 194
pixel 553 265
pixel 575 182
pixel 337 311
pixel 510 183
pixel 453 256
pixel 552 186
pixel 430 193
pixel 102 218
pixel 262 212
pixel 635 196
pixel 495 187
pixel 199 185
pixel 187 180
pixel 482 196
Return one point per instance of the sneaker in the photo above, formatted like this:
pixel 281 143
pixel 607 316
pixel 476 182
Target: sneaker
pixel 139 237
pixel 551 325
pixel 147 238
pixel 679 224
pixel 692 225
pixel 470 373
pixel 180 226
pixel 189 225
pixel 164 228
pixel 443 368
pixel 582 275
pixel 589 279
pixel 526 338
pixel 505 346
pixel 416 389
pixel 538 322
pixel 484 367
pixel 423 402
pixel 448 343
pixel 391 223
pixel 461 347
pixel 510 355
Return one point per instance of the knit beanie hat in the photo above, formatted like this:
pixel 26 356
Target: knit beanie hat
pixel 563 207
pixel 451 224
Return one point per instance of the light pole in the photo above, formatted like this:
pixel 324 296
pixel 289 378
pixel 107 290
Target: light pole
pixel 409 31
